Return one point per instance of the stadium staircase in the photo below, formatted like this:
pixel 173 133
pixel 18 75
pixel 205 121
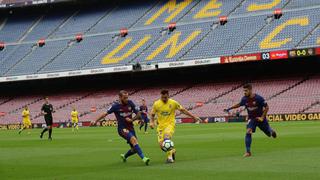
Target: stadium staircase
pixel 50 36
pixel 268 21
pixel 21 60
pixel 213 99
pixel 310 107
pixel 22 106
pixel 63 50
pixel 308 35
pixel 30 29
pixel 6 100
pixel 105 105
pixel 289 88
pixel 3 23
pixel 63 106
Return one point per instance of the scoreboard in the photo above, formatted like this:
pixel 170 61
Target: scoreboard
pixel 18 3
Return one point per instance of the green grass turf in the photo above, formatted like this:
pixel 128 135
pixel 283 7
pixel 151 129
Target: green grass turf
pixel 206 151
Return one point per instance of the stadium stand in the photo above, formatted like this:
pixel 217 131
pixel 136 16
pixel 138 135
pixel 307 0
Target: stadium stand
pixel 197 28
pixel 301 22
pixel 289 95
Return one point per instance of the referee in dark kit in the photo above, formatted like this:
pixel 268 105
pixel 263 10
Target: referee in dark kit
pixel 46 111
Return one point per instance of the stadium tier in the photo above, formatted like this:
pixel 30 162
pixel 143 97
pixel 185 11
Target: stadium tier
pixel 289 95
pixel 250 28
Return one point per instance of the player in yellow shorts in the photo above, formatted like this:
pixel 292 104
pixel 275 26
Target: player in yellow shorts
pixel 165 111
pixel 74 119
pixel 26 123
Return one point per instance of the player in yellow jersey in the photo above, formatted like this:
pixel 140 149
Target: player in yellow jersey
pixel 74 119
pixel 164 110
pixel 26 123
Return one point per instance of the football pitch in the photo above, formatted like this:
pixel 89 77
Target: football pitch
pixel 204 151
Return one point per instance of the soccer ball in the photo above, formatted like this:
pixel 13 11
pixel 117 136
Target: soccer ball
pixel 167 145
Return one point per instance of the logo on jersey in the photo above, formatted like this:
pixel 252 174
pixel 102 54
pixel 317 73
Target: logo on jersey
pixel 125 114
pixel 252 108
pixel 164 113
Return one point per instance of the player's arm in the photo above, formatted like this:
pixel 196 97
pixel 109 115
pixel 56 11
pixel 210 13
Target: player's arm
pixel 102 116
pixel 42 111
pixel 232 107
pixel 153 116
pixel 152 119
pixel 265 111
pixel 111 110
pixel 241 103
pixel 186 112
pixel 136 117
pixel 52 109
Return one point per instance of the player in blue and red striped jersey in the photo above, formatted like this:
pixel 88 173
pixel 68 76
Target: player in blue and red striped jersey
pixel 257 109
pixel 123 110
pixel 144 115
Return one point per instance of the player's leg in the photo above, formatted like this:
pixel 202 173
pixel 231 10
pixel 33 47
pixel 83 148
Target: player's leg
pixel 168 133
pixel 141 125
pixel 45 129
pixel 77 126
pixel 146 125
pixel 251 128
pixel 265 127
pixel 29 127
pixel 50 132
pixel 50 129
pixel 130 152
pixel 165 134
pixel 132 139
pixel 73 125
pixel 23 127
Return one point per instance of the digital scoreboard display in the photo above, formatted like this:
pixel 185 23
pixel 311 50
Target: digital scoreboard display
pixel 19 3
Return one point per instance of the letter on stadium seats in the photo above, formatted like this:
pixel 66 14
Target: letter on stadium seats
pixel 268 42
pixel 259 7
pixel 174 46
pixel 111 59
pixel 206 11
pixel 172 7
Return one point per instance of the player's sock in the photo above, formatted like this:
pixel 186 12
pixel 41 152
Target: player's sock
pixel 169 154
pixel 141 126
pixel 129 153
pixel 248 142
pixel 21 130
pixel 145 127
pixel 77 127
pixel 44 130
pixel 138 150
pixel 50 132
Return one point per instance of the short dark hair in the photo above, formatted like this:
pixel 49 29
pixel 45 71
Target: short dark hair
pixel 164 92
pixel 122 92
pixel 247 86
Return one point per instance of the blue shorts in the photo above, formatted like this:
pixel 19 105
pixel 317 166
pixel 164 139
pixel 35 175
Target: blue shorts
pixel 127 134
pixel 145 118
pixel 263 126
